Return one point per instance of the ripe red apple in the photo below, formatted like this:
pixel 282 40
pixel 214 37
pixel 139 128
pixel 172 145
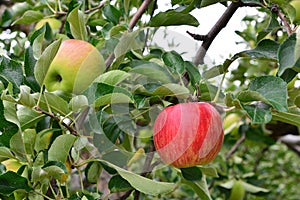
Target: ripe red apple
pixel 188 134
pixel 76 65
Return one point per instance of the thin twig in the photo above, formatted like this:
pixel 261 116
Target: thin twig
pixel 148 30
pixel 275 9
pixel 197 36
pixel 132 23
pixel 146 168
pixel 71 129
pixel 258 159
pixel 139 14
pixel 101 4
pixel 236 146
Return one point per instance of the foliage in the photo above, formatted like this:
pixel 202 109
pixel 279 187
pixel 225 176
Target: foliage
pixel 98 144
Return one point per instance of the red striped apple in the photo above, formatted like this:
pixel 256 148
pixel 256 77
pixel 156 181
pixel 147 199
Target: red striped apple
pixel 188 134
pixel 76 65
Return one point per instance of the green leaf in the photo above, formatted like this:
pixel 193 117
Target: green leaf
pixel 265 49
pixel 127 42
pixel 93 171
pixel 112 14
pixel 61 147
pixel 55 102
pixel 141 183
pixel 17 145
pixel 151 70
pixel 191 173
pixel 209 171
pixel 113 77
pixel 5 154
pixel 102 142
pixel 200 187
pixel 269 89
pixel 118 184
pixel 43 139
pixel 254 189
pixel 78 103
pixel 193 73
pixel 77 24
pixel 11 181
pixel 258 115
pixel 37 45
pixel 287 117
pixel 29 17
pixel 29 140
pixel 205 3
pixel 12 72
pixel 174 61
pixel 98 90
pixel 28 117
pixel 171 18
pixel 29 64
pixel 287 55
pixel 10 113
pixel 58 164
pixel 273 25
pixel 7 128
pixel 43 63
pixel 172 89
pixel 25 98
pixel 297 101
pixel 112 98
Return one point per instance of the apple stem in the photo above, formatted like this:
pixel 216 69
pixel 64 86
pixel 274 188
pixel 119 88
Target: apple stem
pixel 219 88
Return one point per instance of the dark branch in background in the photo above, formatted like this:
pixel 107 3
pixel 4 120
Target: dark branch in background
pixel 137 16
pixel 275 9
pixel 56 118
pixel 292 142
pixel 259 157
pixel 147 168
pixel 236 146
pixel 220 24
pixel 101 4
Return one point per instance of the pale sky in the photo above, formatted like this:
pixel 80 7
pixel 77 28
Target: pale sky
pixel 222 46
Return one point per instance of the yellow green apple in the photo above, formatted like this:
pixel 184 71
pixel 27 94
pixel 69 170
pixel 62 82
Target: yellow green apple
pixel 76 65
pixel 296 5
pixel 53 23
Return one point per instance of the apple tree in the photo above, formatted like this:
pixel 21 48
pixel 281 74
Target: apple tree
pixel 82 84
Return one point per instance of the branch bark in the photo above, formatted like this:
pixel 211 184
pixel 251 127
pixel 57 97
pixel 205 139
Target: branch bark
pixel 132 24
pixel 221 23
pixel 236 146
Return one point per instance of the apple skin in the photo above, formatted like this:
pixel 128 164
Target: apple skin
pixel 188 134
pixel 296 5
pixel 76 65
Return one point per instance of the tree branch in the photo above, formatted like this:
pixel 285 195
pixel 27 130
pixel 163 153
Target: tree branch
pixel 275 9
pixel 101 4
pixel 221 23
pixel 236 146
pixel 139 13
pixel 132 23
pixel 71 129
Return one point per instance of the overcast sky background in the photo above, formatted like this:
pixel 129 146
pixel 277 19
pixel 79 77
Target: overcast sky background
pixel 222 47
